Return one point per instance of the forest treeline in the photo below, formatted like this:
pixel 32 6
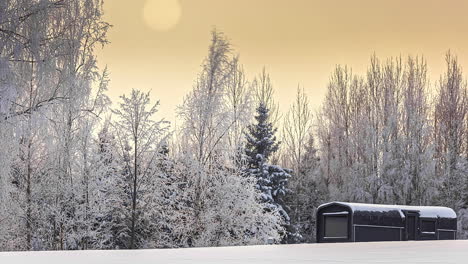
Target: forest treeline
pixel 78 172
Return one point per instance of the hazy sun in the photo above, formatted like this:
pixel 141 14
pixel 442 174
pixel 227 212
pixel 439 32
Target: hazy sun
pixel 161 15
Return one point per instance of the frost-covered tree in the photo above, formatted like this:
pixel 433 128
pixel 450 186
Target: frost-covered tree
pixel 213 115
pixel 374 134
pixel 310 192
pixel 206 122
pixel 450 118
pixel 416 133
pixel 46 49
pixel 172 216
pixel 7 222
pixel 239 107
pixel 106 197
pixel 334 130
pixel 264 94
pixel 297 127
pixel 306 184
pixel 28 39
pixel 139 137
pixel 237 217
pixel 206 119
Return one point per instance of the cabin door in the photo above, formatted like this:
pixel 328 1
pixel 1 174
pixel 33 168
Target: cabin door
pixel 411 225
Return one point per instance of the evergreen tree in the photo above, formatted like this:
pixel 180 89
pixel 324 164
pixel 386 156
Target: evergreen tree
pixel 108 197
pixel 261 139
pixel 272 180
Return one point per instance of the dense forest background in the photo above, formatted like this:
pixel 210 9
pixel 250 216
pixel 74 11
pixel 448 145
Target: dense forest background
pixel 78 172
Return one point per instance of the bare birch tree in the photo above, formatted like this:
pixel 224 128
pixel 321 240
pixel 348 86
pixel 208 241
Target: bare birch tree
pixel 140 135
pixel 451 111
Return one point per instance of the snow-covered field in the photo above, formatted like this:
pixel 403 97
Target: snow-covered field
pixel 379 252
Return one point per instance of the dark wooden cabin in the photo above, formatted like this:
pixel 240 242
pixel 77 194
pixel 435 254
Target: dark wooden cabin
pixel 356 222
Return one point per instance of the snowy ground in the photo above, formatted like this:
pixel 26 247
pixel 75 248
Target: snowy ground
pixel 380 252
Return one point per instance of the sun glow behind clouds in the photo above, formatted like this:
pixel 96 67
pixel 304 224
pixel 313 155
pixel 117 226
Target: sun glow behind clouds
pixel 161 15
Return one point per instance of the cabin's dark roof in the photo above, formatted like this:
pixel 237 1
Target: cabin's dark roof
pixel 424 211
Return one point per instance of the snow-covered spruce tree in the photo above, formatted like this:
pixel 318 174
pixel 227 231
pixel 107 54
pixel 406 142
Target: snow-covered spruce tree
pixel 140 138
pixel 271 180
pixel 170 201
pixel 261 141
pixel 106 193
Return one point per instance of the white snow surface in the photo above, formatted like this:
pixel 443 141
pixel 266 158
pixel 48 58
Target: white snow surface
pixel 424 211
pixel 447 251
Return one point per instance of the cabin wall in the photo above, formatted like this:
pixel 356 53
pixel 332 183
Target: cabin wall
pixel 378 226
pixel 437 229
pixel 446 229
pixel 376 233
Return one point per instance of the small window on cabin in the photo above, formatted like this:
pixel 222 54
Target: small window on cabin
pixel 428 226
pixel 336 226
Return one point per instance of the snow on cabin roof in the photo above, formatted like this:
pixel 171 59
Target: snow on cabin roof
pixel 424 211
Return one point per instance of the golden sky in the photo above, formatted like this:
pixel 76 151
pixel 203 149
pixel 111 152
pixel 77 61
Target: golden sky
pixel 298 41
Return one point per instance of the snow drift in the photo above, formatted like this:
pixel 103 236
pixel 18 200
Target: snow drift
pixel 453 251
